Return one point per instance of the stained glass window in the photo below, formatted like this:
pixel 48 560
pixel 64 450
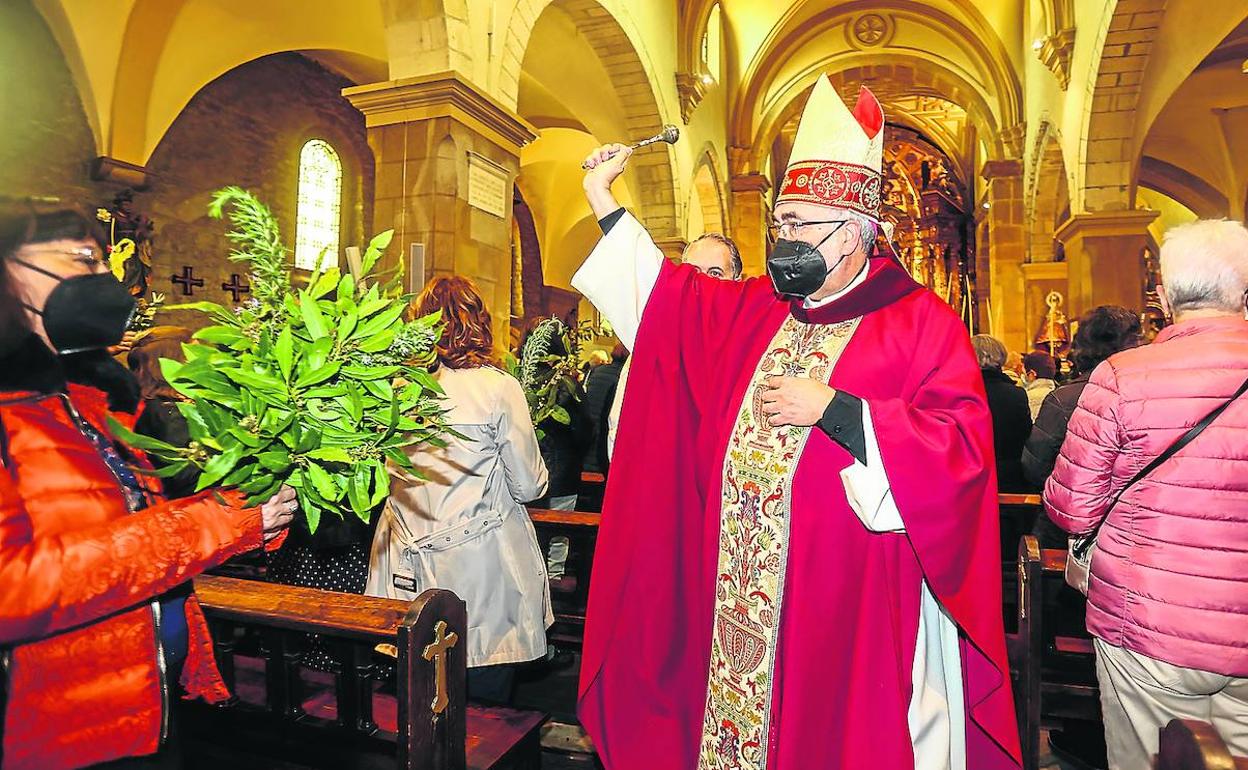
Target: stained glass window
pixel 317 214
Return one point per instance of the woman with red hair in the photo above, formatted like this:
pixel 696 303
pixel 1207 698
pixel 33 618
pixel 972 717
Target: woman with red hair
pixel 462 525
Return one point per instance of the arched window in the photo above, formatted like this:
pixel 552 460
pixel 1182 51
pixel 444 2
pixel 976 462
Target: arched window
pixel 319 208
pixel 712 43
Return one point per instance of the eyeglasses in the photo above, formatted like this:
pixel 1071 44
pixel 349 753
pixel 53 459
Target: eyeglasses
pixel 86 255
pixel 791 229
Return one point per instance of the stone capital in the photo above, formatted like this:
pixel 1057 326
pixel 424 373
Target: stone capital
pixel 751 183
pixel 672 248
pixel 440 95
pixel 1013 139
pixel 996 169
pixel 106 169
pixel 1106 224
pixel 1055 53
pixel 690 88
pixel 1044 271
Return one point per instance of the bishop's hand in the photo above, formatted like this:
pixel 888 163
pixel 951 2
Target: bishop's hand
pixel 798 401
pixel 603 166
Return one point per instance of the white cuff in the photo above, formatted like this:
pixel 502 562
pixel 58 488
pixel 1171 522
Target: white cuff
pixel 866 486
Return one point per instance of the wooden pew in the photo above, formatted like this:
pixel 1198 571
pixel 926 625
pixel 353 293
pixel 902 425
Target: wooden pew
pixel 1054 676
pixel 570 593
pixel 1189 744
pixel 286 716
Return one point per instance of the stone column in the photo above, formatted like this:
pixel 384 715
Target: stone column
pixel 998 262
pixel 1105 259
pixel 1040 278
pixel 750 214
pixel 447 159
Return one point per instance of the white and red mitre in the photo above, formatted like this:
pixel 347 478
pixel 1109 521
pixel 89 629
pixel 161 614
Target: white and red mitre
pixel 837 154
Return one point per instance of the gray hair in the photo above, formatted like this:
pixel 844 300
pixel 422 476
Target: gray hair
pixel 867 226
pixel 1204 266
pixel 989 351
pixel 734 254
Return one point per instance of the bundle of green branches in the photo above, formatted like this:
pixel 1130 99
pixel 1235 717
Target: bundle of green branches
pixel 548 370
pixel 314 387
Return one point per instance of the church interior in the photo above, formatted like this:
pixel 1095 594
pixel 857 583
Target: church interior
pixel 1034 154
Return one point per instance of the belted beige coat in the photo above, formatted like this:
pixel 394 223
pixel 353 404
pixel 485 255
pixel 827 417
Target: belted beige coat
pixel 464 526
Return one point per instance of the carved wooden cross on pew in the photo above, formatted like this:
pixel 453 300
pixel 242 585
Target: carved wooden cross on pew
pixel 436 653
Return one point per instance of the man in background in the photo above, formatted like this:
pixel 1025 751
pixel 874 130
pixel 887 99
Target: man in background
pixel 1039 379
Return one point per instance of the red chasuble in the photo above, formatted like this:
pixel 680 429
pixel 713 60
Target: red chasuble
pixel 842 676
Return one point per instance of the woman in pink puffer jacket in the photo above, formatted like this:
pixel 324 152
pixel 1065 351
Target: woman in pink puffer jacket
pixel 1168 600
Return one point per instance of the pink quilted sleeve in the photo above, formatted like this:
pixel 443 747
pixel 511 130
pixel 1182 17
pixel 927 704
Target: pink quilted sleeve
pixel 1078 493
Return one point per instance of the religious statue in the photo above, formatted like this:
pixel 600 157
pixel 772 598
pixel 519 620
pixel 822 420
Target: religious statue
pixel 130 242
pixel 1054 335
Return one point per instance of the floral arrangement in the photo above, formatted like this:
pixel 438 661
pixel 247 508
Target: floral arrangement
pixel 546 370
pixel 314 387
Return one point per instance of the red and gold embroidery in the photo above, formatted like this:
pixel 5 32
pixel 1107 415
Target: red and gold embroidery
pixel 753 549
pixel 829 183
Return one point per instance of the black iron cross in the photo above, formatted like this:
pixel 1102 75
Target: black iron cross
pixel 236 286
pixel 187 281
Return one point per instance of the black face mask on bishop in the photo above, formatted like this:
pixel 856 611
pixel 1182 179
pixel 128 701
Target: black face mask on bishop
pixel 797 268
pixel 84 312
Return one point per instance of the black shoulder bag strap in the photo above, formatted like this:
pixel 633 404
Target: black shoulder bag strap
pixel 1087 541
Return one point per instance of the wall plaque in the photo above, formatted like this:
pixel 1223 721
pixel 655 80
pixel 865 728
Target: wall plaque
pixel 488 185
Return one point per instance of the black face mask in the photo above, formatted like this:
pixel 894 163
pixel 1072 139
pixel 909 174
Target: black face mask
pixel 797 268
pixel 84 312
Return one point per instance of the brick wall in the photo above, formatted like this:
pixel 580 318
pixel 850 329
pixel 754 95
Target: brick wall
pixel 247 128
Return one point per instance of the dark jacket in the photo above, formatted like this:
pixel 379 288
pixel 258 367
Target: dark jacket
pixel 1040 452
pixel 1047 435
pixel 1011 424
pixel 563 447
pixel 599 394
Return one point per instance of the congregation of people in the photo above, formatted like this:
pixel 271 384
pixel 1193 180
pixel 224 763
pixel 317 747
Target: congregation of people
pixel 1166 604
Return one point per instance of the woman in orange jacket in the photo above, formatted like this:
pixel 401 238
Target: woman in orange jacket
pixel 99 629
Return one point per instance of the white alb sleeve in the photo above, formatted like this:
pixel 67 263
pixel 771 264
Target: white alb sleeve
pixel 866 486
pixel 619 275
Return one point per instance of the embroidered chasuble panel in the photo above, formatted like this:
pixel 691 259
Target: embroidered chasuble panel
pixel 753 550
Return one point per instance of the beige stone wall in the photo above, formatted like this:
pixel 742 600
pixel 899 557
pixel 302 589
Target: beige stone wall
pixel 423 132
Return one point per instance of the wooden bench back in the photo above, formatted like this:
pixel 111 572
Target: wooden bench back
pixel 1042 663
pixel 1189 744
pixel 429 634
pixel 570 593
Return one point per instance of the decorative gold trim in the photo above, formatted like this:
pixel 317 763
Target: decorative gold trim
pixel 756 492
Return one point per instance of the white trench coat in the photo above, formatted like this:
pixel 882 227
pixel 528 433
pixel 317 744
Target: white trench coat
pixel 465 528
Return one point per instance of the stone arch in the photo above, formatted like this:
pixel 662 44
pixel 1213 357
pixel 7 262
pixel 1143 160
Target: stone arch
pixel 1107 165
pixel 1048 194
pixel 1205 200
pixel 999 95
pixel 632 81
pixel 706 194
pixel 62 30
pixel 150 95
